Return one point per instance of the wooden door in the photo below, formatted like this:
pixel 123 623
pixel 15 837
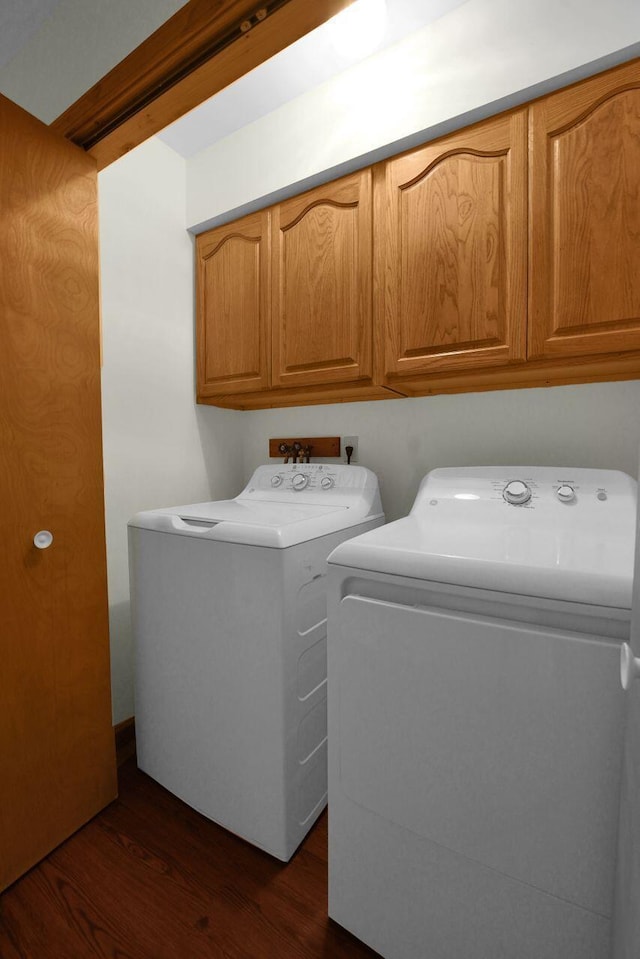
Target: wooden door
pixel 451 251
pixel 234 319
pixel 321 255
pixel 57 757
pixel 585 217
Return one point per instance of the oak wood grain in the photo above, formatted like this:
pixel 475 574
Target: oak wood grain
pixel 323 446
pixel 525 375
pixel 302 396
pixel 233 306
pixel 450 240
pixel 584 293
pixel 321 284
pixel 149 878
pixel 199 51
pixel 56 739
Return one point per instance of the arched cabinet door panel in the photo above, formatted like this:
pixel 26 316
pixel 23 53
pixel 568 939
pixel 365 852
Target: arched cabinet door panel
pixel 321 284
pixel 585 218
pixel 451 251
pixel 234 306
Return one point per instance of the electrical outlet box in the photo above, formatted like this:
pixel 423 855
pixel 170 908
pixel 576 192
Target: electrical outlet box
pixel 349 441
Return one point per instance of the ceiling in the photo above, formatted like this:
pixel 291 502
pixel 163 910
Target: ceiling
pixel 53 51
pixel 18 23
pixel 311 61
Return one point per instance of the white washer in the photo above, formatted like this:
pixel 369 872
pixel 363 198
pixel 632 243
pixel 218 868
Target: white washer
pixel 475 716
pixel 229 618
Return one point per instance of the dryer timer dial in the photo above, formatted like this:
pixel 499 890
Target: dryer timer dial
pixel 517 493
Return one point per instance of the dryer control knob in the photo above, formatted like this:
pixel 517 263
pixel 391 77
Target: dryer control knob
pixel 276 480
pixel 566 493
pixel 517 493
pixel 299 481
pixel 327 482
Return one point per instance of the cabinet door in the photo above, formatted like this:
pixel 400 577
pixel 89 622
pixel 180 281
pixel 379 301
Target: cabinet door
pixel 233 307
pixel 451 251
pixel 57 758
pixel 585 217
pixel 322 284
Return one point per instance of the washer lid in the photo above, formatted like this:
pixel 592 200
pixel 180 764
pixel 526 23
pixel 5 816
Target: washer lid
pixel 463 530
pixel 278 514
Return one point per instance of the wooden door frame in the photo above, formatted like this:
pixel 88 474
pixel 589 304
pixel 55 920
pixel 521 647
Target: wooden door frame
pixel 202 48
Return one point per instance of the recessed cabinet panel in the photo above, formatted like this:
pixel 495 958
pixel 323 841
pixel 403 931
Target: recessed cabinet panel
pixel 451 242
pixel 452 268
pixel 233 291
pixel 585 223
pixel 233 301
pixel 322 284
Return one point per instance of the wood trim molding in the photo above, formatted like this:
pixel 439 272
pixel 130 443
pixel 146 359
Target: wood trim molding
pixel 203 48
pixel 125 737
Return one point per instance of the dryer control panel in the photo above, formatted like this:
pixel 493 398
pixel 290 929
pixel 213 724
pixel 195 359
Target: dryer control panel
pixel 524 488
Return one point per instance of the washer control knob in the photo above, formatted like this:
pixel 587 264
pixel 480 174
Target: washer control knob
pixel 276 479
pixel 327 482
pixel 566 493
pixel 517 493
pixel 299 480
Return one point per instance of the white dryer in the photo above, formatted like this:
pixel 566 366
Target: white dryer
pixel 229 620
pixel 475 716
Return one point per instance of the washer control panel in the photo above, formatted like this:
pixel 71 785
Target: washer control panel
pixel 322 484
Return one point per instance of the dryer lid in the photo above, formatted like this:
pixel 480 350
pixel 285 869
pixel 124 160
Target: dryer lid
pixel 569 537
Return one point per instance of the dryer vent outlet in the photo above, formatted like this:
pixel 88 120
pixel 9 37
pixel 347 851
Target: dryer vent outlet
pixel 352 443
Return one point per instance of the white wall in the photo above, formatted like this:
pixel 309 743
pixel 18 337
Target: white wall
pixel 480 58
pixel 595 425
pixel 159 448
pixel 72 48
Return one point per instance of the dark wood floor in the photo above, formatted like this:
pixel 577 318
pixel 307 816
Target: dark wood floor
pixel 149 878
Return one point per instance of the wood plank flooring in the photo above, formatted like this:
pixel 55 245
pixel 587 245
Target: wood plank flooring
pixel 149 878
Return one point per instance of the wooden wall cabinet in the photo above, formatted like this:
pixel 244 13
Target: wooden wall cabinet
pixel 284 301
pixel 233 306
pixel 584 188
pixel 321 262
pixel 504 255
pixel 451 240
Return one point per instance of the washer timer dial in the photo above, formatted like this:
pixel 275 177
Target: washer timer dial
pixel 299 481
pixel 517 493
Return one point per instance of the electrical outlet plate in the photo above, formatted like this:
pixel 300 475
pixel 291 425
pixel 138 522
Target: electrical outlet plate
pixel 349 441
